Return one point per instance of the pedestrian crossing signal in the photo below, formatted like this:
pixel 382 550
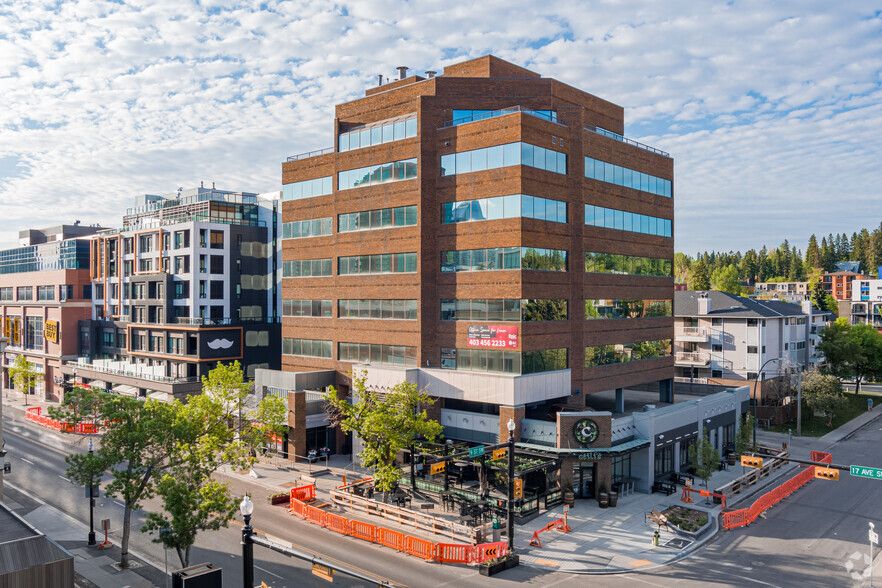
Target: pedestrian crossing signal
pixel 518 488
pixel 751 462
pixel 827 473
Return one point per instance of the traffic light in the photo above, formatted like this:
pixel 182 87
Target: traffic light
pixel 751 462
pixel 827 473
pixel 518 488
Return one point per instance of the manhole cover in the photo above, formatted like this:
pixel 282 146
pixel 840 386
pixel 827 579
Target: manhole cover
pixel 678 543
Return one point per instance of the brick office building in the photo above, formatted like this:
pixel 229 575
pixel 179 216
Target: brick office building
pixel 44 292
pixel 488 233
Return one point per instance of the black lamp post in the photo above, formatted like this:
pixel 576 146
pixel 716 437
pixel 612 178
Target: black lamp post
pixel 91 504
pixel 509 527
pixel 755 399
pixel 246 507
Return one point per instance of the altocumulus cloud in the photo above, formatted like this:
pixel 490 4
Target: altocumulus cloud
pixel 771 110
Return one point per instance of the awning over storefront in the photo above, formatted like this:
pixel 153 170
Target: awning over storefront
pixel 160 396
pixel 587 453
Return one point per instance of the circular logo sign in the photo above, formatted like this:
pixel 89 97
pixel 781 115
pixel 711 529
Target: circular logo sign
pixel 585 431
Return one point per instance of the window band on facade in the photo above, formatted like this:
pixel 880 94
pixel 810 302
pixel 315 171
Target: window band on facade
pixel 498 207
pixel 614 263
pixel 376 353
pixel 316 227
pixel 308 188
pixel 383 263
pixel 377 309
pixel 378 133
pixel 373 175
pixel 626 352
pixel 504 156
pixel 596 169
pixel 504 258
pixel 610 218
pixel 307 308
pixel 505 362
pixel 504 310
pixel 307 347
pixel 306 268
pixel 627 308
pixel 383 218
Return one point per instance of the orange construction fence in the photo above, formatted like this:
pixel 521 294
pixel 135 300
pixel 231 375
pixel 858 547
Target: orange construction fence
pixel 33 415
pixel 440 552
pixel 745 516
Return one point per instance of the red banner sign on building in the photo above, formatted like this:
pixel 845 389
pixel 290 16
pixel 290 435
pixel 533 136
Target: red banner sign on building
pixel 498 336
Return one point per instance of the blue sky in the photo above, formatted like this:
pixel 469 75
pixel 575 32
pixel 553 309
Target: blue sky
pixel 771 110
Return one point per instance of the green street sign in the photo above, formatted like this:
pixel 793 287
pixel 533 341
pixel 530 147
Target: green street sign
pixel 864 472
pixel 476 451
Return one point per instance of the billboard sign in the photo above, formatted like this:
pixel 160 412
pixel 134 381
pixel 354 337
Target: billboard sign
pixel 50 331
pixel 498 336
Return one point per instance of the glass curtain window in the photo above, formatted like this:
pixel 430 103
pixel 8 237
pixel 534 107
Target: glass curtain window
pixel 504 156
pixel 598 216
pixel 307 188
pixel 621 176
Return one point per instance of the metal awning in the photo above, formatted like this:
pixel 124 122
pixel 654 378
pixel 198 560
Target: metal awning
pixel 98 384
pixel 160 396
pixel 125 390
pixel 586 452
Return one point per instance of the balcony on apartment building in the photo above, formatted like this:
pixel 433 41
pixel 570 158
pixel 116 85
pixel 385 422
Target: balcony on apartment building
pixel 692 334
pixel 125 377
pixel 691 358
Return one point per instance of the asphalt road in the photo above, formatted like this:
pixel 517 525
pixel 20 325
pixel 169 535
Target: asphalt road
pixel 805 541
pixel 37 457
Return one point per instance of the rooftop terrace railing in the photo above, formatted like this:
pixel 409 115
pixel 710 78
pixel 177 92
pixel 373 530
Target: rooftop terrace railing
pixel 309 154
pixel 618 137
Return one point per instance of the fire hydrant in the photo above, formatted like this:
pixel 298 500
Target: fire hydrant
pixel 655 537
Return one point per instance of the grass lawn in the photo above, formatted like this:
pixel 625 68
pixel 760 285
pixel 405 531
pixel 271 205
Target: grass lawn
pixel 813 426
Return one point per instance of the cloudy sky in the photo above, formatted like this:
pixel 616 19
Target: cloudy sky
pixel 771 110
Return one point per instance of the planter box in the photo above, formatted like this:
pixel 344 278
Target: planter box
pixel 508 562
pixel 279 499
pixel 693 534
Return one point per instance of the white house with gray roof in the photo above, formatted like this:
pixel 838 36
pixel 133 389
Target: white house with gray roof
pixel 724 339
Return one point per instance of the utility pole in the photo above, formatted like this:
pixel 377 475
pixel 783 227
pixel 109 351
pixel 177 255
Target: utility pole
pixel 799 406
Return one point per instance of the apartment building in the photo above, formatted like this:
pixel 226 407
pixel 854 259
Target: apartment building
pixel 839 283
pixel 488 233
pixel 787 291
pixel 725 340
pixel 189 280
pixel 866 302
pixel 45 291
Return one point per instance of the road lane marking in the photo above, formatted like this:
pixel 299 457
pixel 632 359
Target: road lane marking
pixel 63 478
pixel 26 461
pixel 268 572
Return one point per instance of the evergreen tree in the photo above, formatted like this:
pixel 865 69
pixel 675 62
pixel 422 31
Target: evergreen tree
pixel 812 254
pixel 698 276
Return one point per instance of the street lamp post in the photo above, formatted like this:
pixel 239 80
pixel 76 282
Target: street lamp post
pixel 509 527
pixel 91 503
pixel 246 507
pixel 755 399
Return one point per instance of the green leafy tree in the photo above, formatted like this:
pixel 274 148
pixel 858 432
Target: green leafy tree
pixel 24 375
pixel 851 351
pixel 223 432
pixel 704 457
pixel 681 267
pixel 726 279
pixel 545 310
pixel 823 393
pixel 138 447
pixel 386 423
pixel 743 439
pixel 698 276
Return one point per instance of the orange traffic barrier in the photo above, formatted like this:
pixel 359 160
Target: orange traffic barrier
pixel 337 523
pixel 486 551
pixel 364 531
pixel 303 493
pixel 453 553
pixel 419 548
pixel 390 538
pixel 298 508
pixel 315 515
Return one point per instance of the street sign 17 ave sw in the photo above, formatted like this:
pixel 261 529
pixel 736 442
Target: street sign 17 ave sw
pixel 865 472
